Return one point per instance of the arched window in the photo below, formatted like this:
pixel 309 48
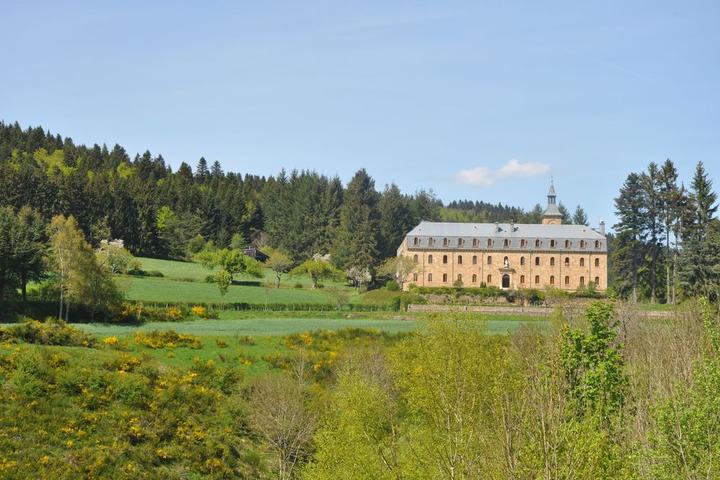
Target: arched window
pixel 429 258
pixel 537 260
pixel 416 241
pixel 489 242
pixel 537 243
pixel 522 260
pixel 474 259
pixel 459 279
pixel 444 277
pixel 522 279
pixel 415 277
pixel 537 279
pixel 444 258
pixel 459 259
pixel 552 243
pixel 506 242
pixel 415 258
pixel 597 262
pixel 474 278
pixel 506 262
pixel 597 243
pixel 489 279
pixel 582 281
pixel 552 280
pixel 568 244
pixel 552 261
pixel 489 260
pixel 567 281
pixel 445 242
pixel 567 261
pixel 597 281
pixel 582 262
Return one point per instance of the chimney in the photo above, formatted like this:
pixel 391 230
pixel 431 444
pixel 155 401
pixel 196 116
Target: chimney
pixel 602 227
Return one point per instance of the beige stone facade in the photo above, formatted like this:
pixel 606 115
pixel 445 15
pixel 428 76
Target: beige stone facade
pixel 508 256
pixel 525 269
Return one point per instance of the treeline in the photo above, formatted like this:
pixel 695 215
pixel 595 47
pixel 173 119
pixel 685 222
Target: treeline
pixel 483 212
pixel 159 212
pixel 668 237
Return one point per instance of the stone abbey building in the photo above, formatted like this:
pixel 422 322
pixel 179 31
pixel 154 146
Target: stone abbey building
pixel 508 255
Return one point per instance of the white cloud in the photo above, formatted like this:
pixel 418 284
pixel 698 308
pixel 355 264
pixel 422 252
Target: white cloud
pixel 516 169
pixel 484 177
pixel 479 176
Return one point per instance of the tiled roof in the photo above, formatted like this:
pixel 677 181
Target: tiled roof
pixel 505 230
pixel 492 236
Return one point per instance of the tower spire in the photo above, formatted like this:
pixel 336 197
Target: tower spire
pixel 552 214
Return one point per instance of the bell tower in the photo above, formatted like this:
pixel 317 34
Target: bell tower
pixel 552 215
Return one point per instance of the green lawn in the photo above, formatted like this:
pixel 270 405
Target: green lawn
pixel 278 326
pixel 185 282
pixel 165 290
pixel 176 270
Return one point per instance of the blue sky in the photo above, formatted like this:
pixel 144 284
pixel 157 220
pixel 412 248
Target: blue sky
pixel 479 100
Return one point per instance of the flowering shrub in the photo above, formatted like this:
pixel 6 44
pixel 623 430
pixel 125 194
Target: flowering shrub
pixel 139 313
pixel 50 332
pixel 199 311
pixel 122 419
pixel 110 341
pixel 167 339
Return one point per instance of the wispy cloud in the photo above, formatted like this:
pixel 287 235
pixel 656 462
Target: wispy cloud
pixel 484 177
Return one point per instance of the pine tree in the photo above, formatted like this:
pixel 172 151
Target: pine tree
pixel 356 243
pixel 216 170
pixel 653 232
pixel 630 209
pixel 28 247
pixel 395 220
pixel 580 217
pixel 201 171
pixel 703 200
pixel 566 218
pixel 671 202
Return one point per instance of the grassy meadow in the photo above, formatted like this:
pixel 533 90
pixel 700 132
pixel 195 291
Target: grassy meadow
pixel 185 282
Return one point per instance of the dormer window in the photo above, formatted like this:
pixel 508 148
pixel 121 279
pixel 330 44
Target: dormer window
pixel 416 241
pixel 523 243
pixel 445 242
pixel 506 242
pixel 489 242
pixel 538 243
pixel 475 242
pixel 460 242
pixel 568 244
pixel 552 243
pixel 583 243
pixel 597 243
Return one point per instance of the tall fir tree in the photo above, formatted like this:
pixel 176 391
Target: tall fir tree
pixel 630 208
pixel 580 217
pixel 356 242
pixel 395 220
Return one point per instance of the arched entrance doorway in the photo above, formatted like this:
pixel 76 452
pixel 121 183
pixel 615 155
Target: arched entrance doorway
pixel 506 281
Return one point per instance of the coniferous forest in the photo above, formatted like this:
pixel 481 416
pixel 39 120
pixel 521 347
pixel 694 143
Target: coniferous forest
pixel 162 213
